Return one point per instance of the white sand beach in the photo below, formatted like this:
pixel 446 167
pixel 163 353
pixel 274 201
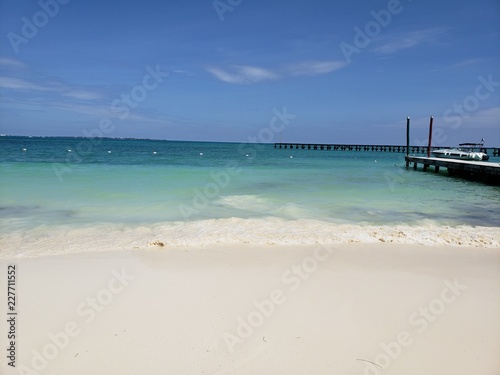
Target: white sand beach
pixel 228 187
pixel 337 309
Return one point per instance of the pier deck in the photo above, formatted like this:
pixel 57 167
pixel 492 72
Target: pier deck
pixel 477 170
pixel 492 151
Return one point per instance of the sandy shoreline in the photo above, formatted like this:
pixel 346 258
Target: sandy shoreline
pixel 350 309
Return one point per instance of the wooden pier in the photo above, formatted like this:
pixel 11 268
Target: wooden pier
pixel 492 151
pixel 475 170
pixel 485 171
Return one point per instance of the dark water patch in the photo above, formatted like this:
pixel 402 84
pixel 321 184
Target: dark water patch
pixel 31 211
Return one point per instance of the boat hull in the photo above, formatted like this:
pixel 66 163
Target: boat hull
pixel 459 154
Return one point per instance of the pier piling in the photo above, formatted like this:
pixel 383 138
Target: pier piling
pixel 430 138
pixel 473 170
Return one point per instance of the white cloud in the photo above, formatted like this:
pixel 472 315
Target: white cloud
pixel 82 95
pixel 486 118
pixel 183 72
pixel 465 63
pixel 29 82
pixel 91 110
pixel 104 111
pixel 35 92
pixel 244 75
pixel 408 40
pixel 312 68
pixel 65 90
pixel 21 84
pixel 8 62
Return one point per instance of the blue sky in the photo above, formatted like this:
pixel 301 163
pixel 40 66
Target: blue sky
pixel 349 71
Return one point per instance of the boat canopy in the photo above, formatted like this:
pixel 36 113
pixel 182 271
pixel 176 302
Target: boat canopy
pixel 473 144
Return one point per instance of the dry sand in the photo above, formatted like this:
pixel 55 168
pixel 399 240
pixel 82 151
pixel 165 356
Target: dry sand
pixel 345 309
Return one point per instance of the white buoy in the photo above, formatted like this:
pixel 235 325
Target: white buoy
pixel 109 152
pixel 69 150
pixel 291 157
pixel 375 161
pixel 247 155
pixel 154 152
pixel 24 149
pixel 201 153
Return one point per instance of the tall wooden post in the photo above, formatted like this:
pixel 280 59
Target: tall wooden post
pixel 407 136
pixel 407 140
pixel 430 138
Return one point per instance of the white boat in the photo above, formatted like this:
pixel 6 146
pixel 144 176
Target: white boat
pixel 466 151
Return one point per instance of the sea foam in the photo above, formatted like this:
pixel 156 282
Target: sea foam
pixel 53 240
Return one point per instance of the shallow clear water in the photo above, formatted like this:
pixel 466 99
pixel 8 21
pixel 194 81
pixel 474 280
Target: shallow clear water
pixel 138 182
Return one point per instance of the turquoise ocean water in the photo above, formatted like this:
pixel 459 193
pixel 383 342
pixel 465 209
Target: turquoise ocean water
pixel 88 182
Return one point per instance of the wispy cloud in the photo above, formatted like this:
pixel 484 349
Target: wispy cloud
pixel 468 62
pixel 40 85
pixel 22 84
pixel 247 75
pixel 312 68
pixel 11 63
pixel 30 91
pixel 82 95
pixel 409 40
pixel 244 75
pixel 98 109
pixel 486 118
pixel 184 73
pixel 104 111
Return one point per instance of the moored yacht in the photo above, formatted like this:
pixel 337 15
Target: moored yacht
pixel 465 151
